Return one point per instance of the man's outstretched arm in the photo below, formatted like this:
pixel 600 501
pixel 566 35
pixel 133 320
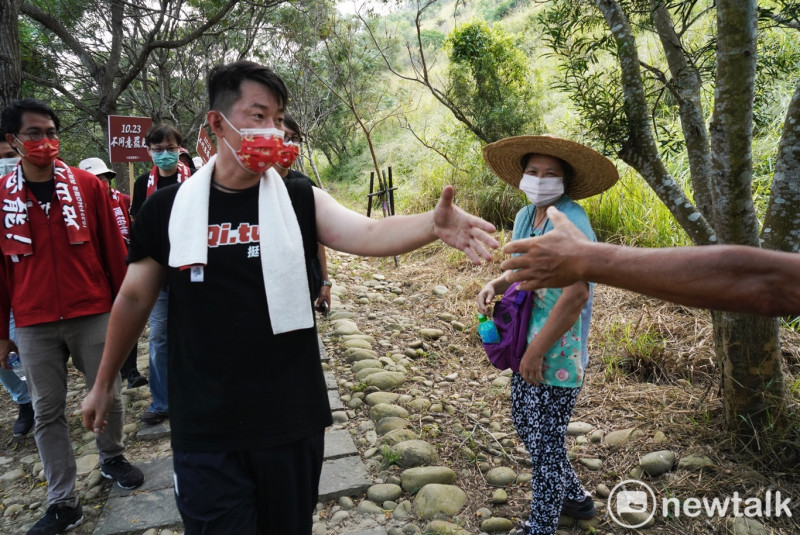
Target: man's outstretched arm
pixel 132 305
pixel 734 278
pixel 347 231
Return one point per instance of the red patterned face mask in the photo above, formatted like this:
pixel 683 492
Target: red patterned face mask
pixel 288 154
pixel 41 153
pixel 260 148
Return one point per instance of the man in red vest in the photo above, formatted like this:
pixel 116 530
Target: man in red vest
pixel 62 261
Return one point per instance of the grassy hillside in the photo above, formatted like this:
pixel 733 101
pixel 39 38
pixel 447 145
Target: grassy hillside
pixel 629 213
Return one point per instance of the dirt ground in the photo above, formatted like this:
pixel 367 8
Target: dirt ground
pixel 652 368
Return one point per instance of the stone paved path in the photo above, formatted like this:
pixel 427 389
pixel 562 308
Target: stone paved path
pixel 152 506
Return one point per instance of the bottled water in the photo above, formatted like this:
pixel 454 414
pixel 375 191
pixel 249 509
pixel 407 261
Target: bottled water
pixel 16 365
pixel 487 330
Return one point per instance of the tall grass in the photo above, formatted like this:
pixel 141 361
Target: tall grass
pixel 630 213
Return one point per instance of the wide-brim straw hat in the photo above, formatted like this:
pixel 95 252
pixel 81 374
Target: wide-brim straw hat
pixel 593 172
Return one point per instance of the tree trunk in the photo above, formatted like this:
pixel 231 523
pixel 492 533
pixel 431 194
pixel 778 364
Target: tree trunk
pixel 686 85
pixel 748 347
pixel 313 165
pixel 782 221
pixel 754 392
pixel 10 67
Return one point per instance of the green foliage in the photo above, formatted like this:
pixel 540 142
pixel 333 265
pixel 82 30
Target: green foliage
pixel 493 11
pixel 359 387
pixel 584 51
pixel 488 79
pixel 637 350
pixel 631 214
pixel 433 39
pixel 389 456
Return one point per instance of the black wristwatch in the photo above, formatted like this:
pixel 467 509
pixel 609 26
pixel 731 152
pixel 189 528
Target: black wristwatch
pixel 327 283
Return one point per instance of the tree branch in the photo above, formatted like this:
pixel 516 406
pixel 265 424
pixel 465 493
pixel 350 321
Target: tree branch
pixel 640 150
pixel 406 125
pixel 686 85
pixel 151 43
pixel 423 77
pixel 780 18
pixel 55 26
pixel 45 82
pixel 783 212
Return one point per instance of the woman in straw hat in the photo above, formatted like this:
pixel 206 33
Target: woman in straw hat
pixel 551 172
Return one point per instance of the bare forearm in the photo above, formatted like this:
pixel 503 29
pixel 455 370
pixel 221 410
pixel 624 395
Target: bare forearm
pixel 323 260
pixel 565 313
pixel 128 318
pixel 722 277
pixel 389 236
pixel 136 298
pixel 500 284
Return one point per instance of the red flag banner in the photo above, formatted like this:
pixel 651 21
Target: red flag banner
pixel 205 148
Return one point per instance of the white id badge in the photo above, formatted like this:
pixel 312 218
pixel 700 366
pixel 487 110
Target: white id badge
pixel 196 274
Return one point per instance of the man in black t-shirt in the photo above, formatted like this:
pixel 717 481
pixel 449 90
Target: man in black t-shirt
pixel 248 403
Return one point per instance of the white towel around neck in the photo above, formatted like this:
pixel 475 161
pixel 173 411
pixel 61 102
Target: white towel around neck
pixel 281 244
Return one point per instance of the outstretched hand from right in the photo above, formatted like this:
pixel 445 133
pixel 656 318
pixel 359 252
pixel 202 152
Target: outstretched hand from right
pixel 548 261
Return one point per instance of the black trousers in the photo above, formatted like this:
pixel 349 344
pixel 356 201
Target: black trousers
pixel 130 363
pixel 271 491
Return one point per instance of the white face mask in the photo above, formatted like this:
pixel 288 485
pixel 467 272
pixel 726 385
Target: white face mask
pixel 7 165
pixel 542 191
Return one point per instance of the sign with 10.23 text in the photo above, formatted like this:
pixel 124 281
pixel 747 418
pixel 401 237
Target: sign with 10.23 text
pixel 126 138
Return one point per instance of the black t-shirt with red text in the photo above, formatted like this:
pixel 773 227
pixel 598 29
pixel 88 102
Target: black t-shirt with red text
pixel 233 384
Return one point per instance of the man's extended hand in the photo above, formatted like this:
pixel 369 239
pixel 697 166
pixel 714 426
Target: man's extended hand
pixel 94 410
pixel 548 261
pixel 461 230
pixel 6 347
pixel 324 297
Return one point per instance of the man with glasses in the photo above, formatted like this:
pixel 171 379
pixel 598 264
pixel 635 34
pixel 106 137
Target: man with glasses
pixel 164 143
pixel 62 261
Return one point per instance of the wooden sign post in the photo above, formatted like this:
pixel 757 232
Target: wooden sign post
pixel 126 141
pixel 385 194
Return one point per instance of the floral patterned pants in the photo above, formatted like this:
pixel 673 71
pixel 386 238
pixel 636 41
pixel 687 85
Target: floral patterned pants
pixel 541 414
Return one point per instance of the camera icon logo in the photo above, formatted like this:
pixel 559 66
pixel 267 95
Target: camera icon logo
pixel 632 503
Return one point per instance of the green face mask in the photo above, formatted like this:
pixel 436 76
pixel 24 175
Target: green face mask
pixel 165 160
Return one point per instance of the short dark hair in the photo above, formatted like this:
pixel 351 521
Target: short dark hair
pixel 188 160
pixel 569 172
pixel 12 114
pixel 225 81
pixel 291 124
pixel 160 132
